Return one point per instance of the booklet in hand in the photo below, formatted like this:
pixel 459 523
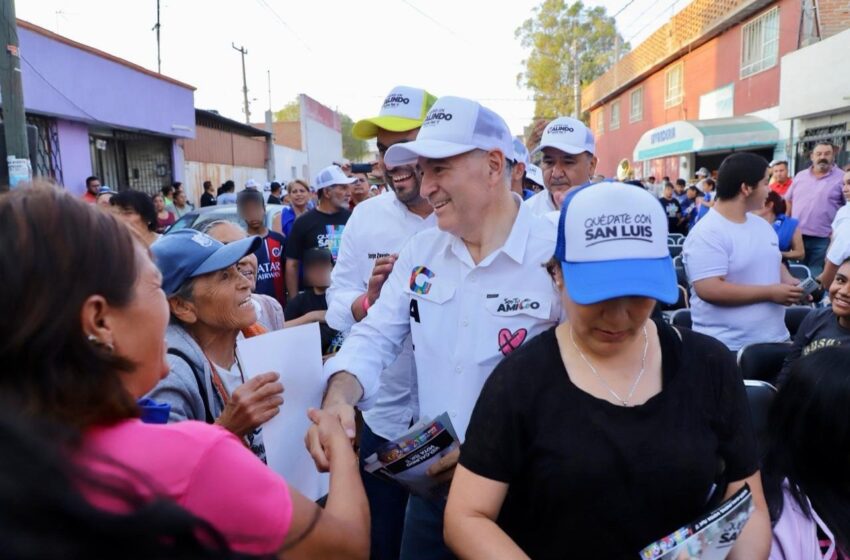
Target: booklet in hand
pixel 708 538
pixel 405 460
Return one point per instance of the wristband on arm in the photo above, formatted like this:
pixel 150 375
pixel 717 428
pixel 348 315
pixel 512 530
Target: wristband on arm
pixel 366 305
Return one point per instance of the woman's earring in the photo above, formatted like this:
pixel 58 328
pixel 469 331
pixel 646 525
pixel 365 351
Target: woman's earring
pixel 97 342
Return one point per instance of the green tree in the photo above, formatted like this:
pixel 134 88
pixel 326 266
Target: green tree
pixel 551 33
pixel 291 112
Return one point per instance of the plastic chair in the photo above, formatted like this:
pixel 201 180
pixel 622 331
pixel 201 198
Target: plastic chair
pixel 762 361
pixel 681 303
pixel 675 238
pixel 681 318
pixel 794 316
pixel 760 396
pixel 682 277
pixel 678 261
pixel 675 250
pixel 799 271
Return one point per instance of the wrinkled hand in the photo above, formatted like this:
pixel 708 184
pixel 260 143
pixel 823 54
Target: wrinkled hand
pixel 444 469
pixel 380 272
pixel 252 404
pixel 318 441
pixel 786 294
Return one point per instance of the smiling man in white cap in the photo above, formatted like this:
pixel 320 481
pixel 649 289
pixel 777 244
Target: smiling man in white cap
pixel 568 161
pixel 469 292
pixel 320 227
pixel 377 230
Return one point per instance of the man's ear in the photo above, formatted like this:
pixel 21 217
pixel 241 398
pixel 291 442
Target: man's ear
pixel 183 309
pixel 593 162
pixel 496 163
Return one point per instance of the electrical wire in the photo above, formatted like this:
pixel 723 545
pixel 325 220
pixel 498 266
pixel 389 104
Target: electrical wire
pixel 283 22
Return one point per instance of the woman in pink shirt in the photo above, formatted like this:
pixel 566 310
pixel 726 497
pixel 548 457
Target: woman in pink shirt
pixel 83 339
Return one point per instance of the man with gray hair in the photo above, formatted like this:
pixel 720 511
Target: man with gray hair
pixel 453 290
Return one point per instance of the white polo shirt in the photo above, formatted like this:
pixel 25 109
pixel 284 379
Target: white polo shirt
pixel 541 203
pixel 839 249
pixel 377 227
pixel 464 318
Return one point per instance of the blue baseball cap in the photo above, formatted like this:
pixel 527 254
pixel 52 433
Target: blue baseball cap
pixel 612 242
pixel 188 253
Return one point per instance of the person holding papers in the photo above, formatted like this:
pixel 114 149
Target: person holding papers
pixel 611 430
pixel 77 360
pixel 210 304
pixel 470 291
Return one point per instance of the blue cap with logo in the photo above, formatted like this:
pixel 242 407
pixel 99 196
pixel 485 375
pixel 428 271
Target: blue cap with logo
pixel 612 242
pixel 187 254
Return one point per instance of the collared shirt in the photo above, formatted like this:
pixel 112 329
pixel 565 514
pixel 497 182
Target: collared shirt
pixel 89 197
pixel 541 203
pixel 464 317
pixel 781 188
pixel 378 227
pixel 816 200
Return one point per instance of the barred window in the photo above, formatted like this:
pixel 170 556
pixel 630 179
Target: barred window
pixel 636 104
pixel 675 91
pixel 760 43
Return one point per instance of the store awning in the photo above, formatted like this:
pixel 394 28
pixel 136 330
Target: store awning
pixel 712 135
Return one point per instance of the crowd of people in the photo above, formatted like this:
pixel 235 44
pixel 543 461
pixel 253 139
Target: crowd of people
pixel 512 288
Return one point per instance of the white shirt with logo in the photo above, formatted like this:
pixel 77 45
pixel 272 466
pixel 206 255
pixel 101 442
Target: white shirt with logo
pixel 463 318
pixel 378 227
pixel 839 249
pixel 541 203
pixel 747 254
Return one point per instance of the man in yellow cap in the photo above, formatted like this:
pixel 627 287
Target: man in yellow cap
pixel 375 233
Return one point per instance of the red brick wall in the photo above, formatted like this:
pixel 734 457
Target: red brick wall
pixel 834 16
pixel 714 64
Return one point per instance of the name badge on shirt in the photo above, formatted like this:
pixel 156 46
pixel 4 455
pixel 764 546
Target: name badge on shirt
pixel 534 304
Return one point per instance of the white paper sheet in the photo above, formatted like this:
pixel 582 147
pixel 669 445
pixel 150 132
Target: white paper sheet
pixel 296 354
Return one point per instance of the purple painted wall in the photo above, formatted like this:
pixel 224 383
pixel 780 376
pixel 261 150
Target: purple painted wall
pixel 98 90
pixel 75 154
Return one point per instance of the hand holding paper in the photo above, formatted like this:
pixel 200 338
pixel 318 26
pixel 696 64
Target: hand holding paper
pixel 252 404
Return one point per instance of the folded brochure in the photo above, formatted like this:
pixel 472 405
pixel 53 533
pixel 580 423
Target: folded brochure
pixel 708 538
pixel 406 459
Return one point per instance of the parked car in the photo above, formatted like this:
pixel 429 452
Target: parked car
pixel 200 216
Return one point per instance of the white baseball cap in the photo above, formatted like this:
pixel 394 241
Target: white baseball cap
pixel 404 109
pixel 250 184
pixel 520 152
pixel 612 242
pixel 330 176
pixel 702 172
pixel 569 135
pixel 454 126
pixel 534 174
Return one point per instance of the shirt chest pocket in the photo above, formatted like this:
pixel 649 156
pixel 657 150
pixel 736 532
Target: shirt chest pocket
pixel 430 311
pixel 508 321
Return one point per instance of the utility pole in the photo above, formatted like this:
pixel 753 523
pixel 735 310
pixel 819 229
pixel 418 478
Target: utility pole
pixel 244 51
pixel 270 159
pixel 576 81
pixel 156 27
pixel 11 89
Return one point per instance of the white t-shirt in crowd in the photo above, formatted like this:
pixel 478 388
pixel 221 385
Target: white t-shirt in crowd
pixel 839 249
pixel 842 216
pixel 746 254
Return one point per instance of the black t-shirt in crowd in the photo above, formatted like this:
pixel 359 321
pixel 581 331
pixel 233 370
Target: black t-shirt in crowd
pixel 819 329
pixel 273 200
pixel 207 200
pixel 316 229
pixel 674 211
pixel 308 301
pixel 590 479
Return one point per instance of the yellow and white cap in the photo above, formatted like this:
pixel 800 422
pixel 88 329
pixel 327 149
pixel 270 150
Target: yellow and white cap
pixel 403 109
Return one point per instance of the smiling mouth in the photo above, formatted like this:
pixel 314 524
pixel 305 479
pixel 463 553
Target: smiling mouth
pixel 402 178
pixel 245 302
pixel 440 204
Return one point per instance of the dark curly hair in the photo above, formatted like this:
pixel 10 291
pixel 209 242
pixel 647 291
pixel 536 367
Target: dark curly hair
pixel 140 203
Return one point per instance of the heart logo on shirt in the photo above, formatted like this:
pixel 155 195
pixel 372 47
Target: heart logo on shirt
pixel 510 341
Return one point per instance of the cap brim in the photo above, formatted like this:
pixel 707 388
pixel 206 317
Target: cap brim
pixel 228 255
pixel 366 129
pixel 399 154
pixel 592 282
pixel 566 148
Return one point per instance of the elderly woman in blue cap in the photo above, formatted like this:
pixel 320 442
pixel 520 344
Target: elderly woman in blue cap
pixel 611 430
pixel 210 304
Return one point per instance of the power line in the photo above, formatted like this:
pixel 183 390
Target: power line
pixel 651 20
pixel 436 22
pixel 621 10
pixel 286 25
